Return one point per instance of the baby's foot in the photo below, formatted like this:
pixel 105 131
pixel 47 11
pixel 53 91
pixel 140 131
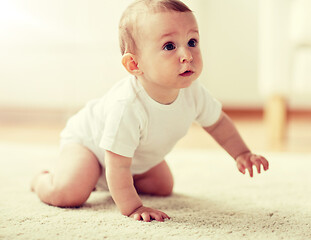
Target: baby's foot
pixel 35 179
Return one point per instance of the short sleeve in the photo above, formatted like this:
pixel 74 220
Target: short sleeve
pixel 121 132
pixel 208 109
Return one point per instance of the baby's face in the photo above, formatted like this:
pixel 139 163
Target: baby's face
pixel 169 54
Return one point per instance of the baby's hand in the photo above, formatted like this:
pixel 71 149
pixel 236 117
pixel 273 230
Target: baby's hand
pixel 247 160
pixel 148 214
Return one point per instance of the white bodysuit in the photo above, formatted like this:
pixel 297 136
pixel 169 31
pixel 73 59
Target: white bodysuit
pixel 128 122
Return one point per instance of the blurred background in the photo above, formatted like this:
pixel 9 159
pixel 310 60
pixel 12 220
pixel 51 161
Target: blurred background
pixel 57 55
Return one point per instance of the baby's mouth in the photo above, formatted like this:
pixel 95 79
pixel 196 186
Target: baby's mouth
pixel 186 73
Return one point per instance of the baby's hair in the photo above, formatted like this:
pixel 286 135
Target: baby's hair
pixel 128 28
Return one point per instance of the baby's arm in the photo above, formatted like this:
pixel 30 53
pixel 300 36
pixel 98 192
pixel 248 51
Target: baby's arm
pixel 225 133
pixel 123 192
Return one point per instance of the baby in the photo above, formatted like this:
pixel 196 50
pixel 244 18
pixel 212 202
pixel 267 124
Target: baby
pixel 120 141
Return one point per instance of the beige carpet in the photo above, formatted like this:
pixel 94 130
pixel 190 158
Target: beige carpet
pixel 212 200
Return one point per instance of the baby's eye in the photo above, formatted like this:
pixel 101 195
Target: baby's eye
pixel 169 46
pixel 192 43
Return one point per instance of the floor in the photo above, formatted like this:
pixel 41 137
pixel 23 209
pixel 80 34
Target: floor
pixel 250 125
pixel 254 131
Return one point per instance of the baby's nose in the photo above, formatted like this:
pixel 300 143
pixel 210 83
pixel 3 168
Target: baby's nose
pixel 186 55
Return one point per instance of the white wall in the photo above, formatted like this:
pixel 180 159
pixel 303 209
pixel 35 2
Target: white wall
pixel 61 53
pixel 232 37
pixel 229 34
pixel 58 53
pixel 285 50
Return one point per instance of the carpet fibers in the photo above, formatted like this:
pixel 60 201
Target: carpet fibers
pixel 211 200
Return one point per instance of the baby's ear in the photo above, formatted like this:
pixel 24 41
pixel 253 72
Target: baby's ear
pixel 130 63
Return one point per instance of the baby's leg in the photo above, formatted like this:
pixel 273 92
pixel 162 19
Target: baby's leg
pixel 75 176
pixel 157 181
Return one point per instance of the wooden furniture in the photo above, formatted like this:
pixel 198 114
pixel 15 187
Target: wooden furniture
pixel 284 60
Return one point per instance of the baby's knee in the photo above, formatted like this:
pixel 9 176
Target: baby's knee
pixel 165 192
pixel 66 197
pixel 166 188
